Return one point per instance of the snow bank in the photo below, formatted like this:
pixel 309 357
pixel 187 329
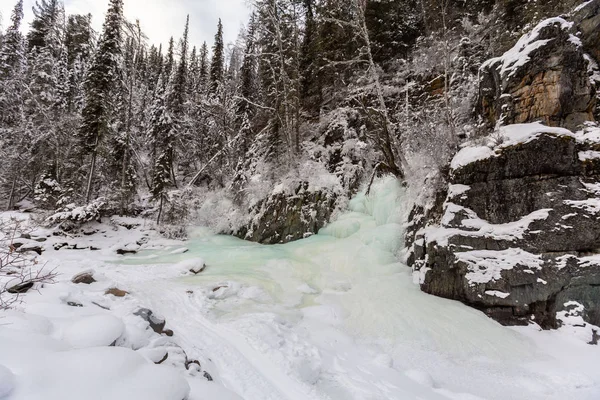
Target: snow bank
pixel 524 133
pixel 93 331
pixel 54 369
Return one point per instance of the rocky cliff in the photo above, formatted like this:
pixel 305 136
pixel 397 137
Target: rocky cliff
pixel 516 232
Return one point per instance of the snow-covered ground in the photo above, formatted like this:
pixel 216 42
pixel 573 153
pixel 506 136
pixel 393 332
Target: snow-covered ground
pixel 334 316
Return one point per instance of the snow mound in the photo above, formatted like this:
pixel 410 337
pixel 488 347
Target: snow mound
pixel 93 331
pixel 468 155
pixel 50 369
pixel 7 381
pixel 194 265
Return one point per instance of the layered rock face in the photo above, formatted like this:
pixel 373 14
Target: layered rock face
pixel 519 227
pixel 544 77
pixel 516 233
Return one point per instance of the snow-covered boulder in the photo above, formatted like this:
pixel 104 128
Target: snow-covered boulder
pixel 194 265
pixel 155 321
pixel 284 217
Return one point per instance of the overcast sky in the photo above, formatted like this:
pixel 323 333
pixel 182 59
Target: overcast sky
pixel 160 19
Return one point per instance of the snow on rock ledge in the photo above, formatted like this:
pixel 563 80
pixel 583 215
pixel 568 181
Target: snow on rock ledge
pixel 513 234
pixel 543 77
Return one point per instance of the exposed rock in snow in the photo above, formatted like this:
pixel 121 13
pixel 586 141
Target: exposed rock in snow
pixel 116 292
pixel 156 322
pixel 86 277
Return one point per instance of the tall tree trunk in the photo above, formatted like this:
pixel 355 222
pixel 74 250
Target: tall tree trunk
pixel 160 208
pixel 387 141
pixel 88 190
pixel 11 196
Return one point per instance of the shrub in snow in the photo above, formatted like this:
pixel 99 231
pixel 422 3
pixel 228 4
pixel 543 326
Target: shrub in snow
pixel 18 272
pixel 48 191
pixel 78 215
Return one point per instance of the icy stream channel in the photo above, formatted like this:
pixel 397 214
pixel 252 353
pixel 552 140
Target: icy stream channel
pixel 337 316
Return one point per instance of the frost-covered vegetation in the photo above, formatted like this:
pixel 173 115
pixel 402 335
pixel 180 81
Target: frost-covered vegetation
pixel 355 136
pixel 324 92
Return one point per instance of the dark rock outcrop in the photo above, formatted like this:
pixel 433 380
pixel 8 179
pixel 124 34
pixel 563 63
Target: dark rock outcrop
pixel 544 77
pixel 300 209
pixel 517 232
pixel 587 24
pixel 283 218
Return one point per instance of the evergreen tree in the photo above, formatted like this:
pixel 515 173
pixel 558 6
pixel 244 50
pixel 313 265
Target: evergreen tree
pixel 245 108
pixel 11 50
pixel 170 58
pixel 13 141
pixel 161 137
pixel 310 91
pixel 248 71
pixel 394 27
pixel 46 16
pixel 181 75
pixel 106 70
pixel 78 43
pixel 279 75
pixel 217 65
pixel 204 66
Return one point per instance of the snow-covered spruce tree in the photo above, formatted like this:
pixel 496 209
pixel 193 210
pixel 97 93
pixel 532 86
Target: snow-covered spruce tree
pixel 246 106
pixel 279 42
pixel 248 90
pixel 13 144
pixel 216 119
pixel 394 27
pixel 105 72
pixel 169 58
pixel 310 85
pixel 46 18
pixel 79 45
pixel 217 65
pixel 382 131
pixel 161 137
pixel 204 66
pixel 12 65
pixel 166 125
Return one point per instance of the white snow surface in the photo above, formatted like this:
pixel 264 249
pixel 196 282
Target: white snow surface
pixel 332 317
